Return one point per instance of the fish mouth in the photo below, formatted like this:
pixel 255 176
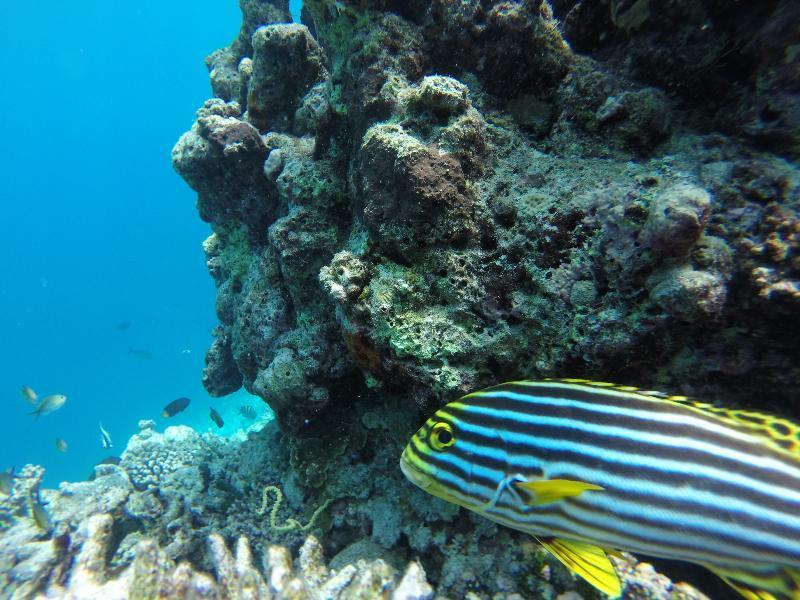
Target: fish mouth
pixel 426 481
pixel 413 474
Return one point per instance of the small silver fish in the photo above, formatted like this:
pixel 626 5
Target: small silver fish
pixel 61 445
pixel 105 438
pixel 49 404
pixel 29 395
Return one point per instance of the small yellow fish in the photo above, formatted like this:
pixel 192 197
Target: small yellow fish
pixel 29 395
pixel 49 404
pixel 61 445
pixel 38 514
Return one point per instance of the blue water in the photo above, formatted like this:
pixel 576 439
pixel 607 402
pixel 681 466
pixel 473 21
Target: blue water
pixel 98 229
pixel 294 8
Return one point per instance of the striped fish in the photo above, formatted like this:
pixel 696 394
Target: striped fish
pixel 592 468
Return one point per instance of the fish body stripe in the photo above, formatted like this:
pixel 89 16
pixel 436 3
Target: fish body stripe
pixel 488 463
pixel 667 429
pixel 632 483
pixel 624 471
pixel 592 525
pixel 647 413
pixel 678 482
pixel 625 447
pixel 648 408
pixel 637 497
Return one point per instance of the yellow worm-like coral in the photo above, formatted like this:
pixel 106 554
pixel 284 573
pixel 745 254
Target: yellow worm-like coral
pixel 290 524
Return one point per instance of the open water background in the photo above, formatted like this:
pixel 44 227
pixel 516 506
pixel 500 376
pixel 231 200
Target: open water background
pixel 97 227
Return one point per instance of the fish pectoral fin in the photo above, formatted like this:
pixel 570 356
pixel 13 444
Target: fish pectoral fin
pixel 778 583
pixel 545 491
pixel 588 561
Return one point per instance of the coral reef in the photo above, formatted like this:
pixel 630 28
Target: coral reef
pixel 152 574
pixel 466 230
pixel 108 541
pixel 734 67
pixel 412 200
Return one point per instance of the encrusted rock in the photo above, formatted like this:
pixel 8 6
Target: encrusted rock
pixel 676 220
pixel 689 294
pixel 224 74
pixel 287 63
pixel 221 158
pixel 414 197
pixel 443 96
pixel 220 376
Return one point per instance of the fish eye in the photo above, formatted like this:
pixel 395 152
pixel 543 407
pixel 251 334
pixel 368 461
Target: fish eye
pixel 442 436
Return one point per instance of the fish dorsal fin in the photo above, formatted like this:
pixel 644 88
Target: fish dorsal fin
pixel 588 561
pixel 783 433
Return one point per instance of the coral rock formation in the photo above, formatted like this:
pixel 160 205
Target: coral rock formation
pixel 486 238
pixel 411 200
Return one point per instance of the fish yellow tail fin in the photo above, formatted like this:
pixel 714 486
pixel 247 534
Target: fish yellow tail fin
pixel 776 583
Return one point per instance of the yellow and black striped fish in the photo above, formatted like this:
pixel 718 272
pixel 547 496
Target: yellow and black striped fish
pixel 590 468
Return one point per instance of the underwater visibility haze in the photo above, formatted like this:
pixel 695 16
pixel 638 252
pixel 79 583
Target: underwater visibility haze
pixel 324 300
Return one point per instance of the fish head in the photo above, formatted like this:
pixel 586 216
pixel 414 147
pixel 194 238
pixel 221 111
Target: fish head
pixel 436 461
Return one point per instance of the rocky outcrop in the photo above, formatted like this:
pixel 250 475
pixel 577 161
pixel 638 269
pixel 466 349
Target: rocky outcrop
pixel 412 200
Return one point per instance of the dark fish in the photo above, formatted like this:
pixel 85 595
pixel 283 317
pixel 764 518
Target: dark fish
pixel 7 481
pixel 39 515
pixel 216 418
pixel 247 411
pixel 61 445
pixel 174 407
pixel 123 326
pixel 139 353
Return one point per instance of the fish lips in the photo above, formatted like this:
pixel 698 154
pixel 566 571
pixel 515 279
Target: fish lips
pixel 413 474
